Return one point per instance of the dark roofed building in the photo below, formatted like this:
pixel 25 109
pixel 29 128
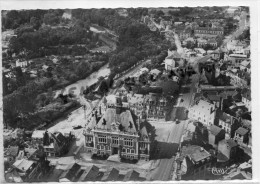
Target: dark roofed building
pixel 242 136
pixel 132 176
pixel 89 174
pixel 70 175
pixel 111 175
pixel 227 150
pixel 216 134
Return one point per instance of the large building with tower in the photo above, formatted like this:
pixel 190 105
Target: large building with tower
pixel 118 132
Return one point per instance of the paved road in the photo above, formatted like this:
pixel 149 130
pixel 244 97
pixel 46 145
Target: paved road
pixel 168 150
pixel 239 31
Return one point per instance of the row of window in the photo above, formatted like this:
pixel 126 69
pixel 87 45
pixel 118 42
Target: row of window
pixel 115 140
pixel 212 32
pixel 127 150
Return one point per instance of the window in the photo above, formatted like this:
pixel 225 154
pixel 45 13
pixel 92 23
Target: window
pixel 128 142
pixel 132 151
pixel 102 139
pixel 128 150
pixel 115 140
pixel 123 150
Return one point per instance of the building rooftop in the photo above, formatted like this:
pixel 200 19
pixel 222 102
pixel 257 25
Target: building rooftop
pixel 89 174
pixel 246 93
pixel 110 120
pixel 111 175
pixel 242 131
pixel 132 176
pixel 230 142
pixel 215 130
pixel 209 28
pixel 38 134
pixel 225 117
pixel 195 153
pixel 23 164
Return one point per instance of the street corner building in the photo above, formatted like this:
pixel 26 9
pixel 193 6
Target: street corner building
pixel 116 132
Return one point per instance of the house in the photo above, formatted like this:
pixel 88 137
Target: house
pixel 236 59
pixel 144 70
pixel 186 33
pixel 194 161
pixel 245 66
pixel 136 103
pixel 71 174
pixel 236 46
pixel 236 80
pixel 216 134
pixel 116 133
pixel 241 135
pixel 89 174
pixel 28 170
pixel 55 144
pixel 227 150
pixel 169 63
pixel 21 63
pixel 208 32
pixel 155 107
pixel 132 176
pixel 111 175
pixel 155 72
pixel 38 134
pixel 10 154
pixel 229 124
pixel 204 112
pixel 201 42
pixel 246 98
pixel 212 42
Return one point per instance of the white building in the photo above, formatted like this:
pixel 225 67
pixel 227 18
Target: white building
pixel 169 63
pixel 204 112
pixel 20 63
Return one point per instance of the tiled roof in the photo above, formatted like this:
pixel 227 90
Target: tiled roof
pixel 71 173
pixel 225 117
pixel 215 130
pixel 229 142
pixel 242 131
pixel 23 164
pixel 246 123
pixel 132 176
pixel 112 175
pixel 221 157
pixel 124 119
pixel 38 134
pixel 196 153
pixel 89 174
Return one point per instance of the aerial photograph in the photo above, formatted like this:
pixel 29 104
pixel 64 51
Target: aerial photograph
pixel 126 94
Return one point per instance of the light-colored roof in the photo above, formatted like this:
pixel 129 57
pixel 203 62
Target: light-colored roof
pixel 155 71
pixel 195 153
pixel 111 99
pixel 242 131
pixel 215 130
pixel 23 164
pixel 38 134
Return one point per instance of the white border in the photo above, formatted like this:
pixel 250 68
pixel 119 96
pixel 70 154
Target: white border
pixel 255 29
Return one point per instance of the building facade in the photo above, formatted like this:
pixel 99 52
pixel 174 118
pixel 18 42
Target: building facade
pixel 208 32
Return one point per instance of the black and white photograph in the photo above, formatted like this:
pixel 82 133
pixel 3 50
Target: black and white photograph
pixel 127 94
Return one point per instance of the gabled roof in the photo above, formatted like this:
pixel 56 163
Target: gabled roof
pixel 124 119
pixel 132 176
pixel 23 164
pixel 71 173
pixel 230 142
pixel 195 153
pixel 112 175
pixel 155 71
pixel 89 174
pixel 225 117
pixel 242 131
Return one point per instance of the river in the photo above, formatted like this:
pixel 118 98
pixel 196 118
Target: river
pixel 78 87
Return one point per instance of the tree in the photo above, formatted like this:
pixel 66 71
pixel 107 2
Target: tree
pixel 35 22
pixel 20 78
